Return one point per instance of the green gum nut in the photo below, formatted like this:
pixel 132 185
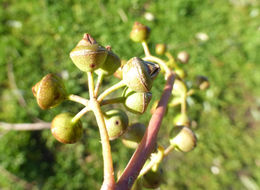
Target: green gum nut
pixel 202 82
pixel 116 122
pixel 138 74
pixel 50 91
pixel 179 88
pixel 136 102
pixel 88 55
pixel 181 120
pixel 184 139
pixel 64 130
pixel 160 49
pixel 133 135
pixel 139 32
pixel 111 64
pixel 153 179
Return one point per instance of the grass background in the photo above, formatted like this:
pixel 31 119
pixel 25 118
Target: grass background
pixel 36 38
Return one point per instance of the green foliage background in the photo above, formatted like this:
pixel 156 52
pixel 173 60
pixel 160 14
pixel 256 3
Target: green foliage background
pixel 36 38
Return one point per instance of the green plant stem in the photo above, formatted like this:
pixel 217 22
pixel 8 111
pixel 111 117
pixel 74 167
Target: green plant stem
pixel 98 83
pixel 146 48
pixel 184 104
pixel 109 181
pixel 190 92
pixel 80 114
pixel 156 159
pixel 171 60
pixel 160 62
pixel 112 101
pixel 110 90
pixel 91 84
pixel 78 99
pixel 170 148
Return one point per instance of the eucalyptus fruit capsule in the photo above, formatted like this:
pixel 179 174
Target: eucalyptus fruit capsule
pixel 111 64
pixel 137 102
pixel 49 91
pixel 139 75
pixel 153 179
pixel 139 32
pixel 160 49
pixel 64 130
pixel 181 120
pixel 116 122
pixel 184 139
pixel 202 82
pixel 88 55
pixel 183 57
pixel 134 134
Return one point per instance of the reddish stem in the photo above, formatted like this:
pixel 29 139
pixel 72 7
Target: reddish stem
pixel 147 144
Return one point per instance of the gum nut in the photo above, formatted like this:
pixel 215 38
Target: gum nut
pixel 116 122
pixel 179 88
pixel 153 179
pixel 139 32
pixel 134 134
pixel 202 82
pixel 50 91
pixel 111 64
pixel 137 102
pixel 183 57
pixel 160 49
pixel 184 139
pixel 181 120
pixel 64 130
pixel 136 75
pixel 88 55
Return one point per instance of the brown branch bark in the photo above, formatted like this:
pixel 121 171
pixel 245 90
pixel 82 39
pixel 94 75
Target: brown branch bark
pixel 25 126
pixel 147 144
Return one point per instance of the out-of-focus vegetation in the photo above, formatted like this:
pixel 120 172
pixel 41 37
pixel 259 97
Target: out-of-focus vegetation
pixel 36 38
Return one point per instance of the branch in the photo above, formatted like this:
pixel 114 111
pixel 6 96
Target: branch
pixel 147 144
pixel 25 126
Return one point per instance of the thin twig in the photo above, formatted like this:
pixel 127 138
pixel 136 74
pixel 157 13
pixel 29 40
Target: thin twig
pixel 25 126
pixel 13 85
pixel 16 179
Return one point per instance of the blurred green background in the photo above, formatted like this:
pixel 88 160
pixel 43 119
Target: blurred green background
pixel 36 38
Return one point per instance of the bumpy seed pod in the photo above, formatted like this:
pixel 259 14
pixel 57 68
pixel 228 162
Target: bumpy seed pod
pixel 137 102
pixel 179 88
pixel 160 49
pixel 139 32
pixel 181 120
pixel 202 82
pixel 183 57
pixel 88 55
pixel 138 74
pixel 153 179
pixel 133 135
pixel 111 64
pixel 116 122
pixel 184 140
pixel 64 130
pixel 50 91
